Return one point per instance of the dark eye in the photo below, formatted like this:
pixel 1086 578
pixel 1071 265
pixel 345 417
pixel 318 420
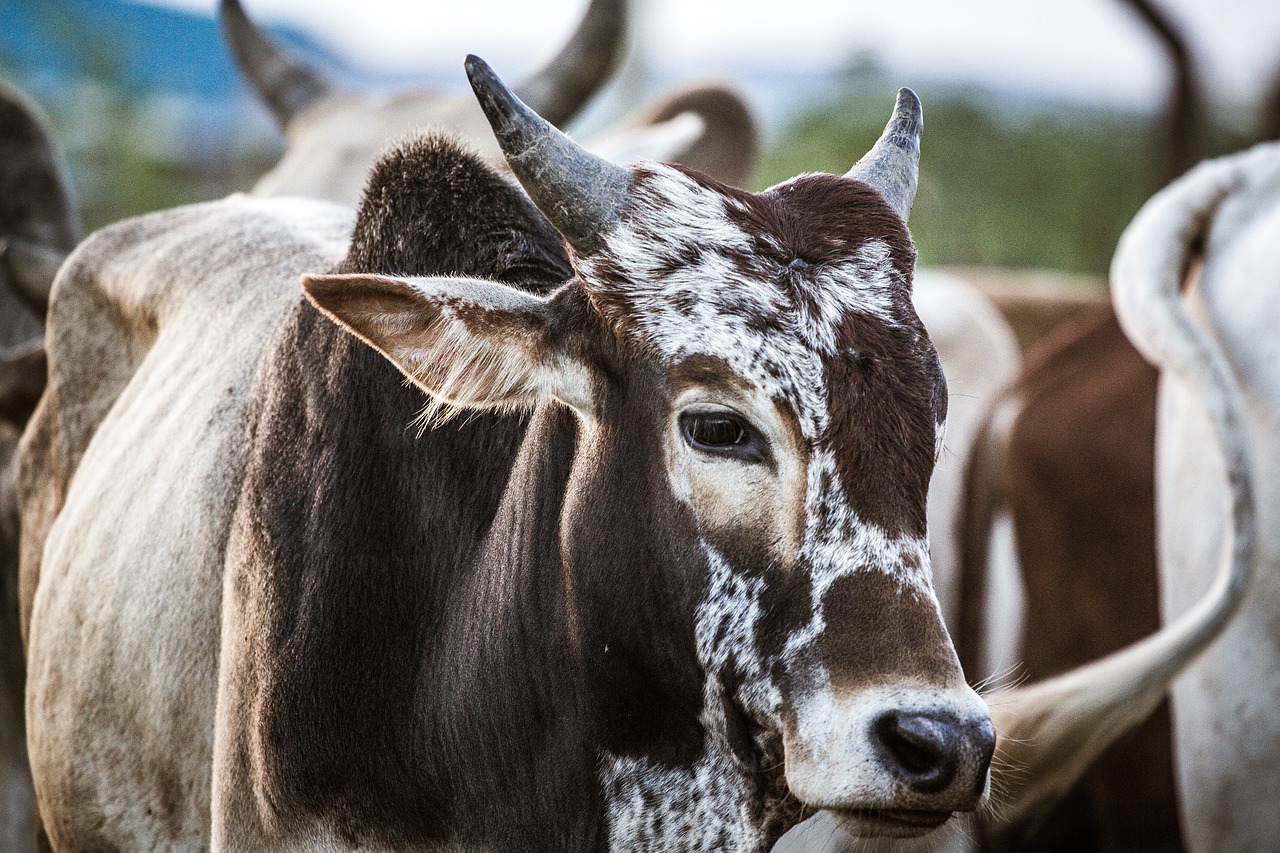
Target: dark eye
pixel 722 434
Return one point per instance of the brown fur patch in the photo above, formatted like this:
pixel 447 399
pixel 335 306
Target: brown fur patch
pixel 898 636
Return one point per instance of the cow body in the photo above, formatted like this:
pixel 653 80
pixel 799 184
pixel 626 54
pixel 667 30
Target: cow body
pixel 158 425
pixel 1067 451
pixel 1226 728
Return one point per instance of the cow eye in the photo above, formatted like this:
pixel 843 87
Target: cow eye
pixel 722 434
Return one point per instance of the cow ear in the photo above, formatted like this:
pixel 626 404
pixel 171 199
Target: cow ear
pixel 470 344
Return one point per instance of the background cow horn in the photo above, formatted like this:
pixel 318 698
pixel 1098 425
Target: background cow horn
pixel 892 166
pixel 30 269
pixel 1049 733
pixel 580 193
pixel 560 90
pixel 286 84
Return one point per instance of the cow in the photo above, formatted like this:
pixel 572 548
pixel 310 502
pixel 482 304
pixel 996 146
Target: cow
pixel 1070 448
pixel 1226 728
pixel 334 136
pixel 976 346
pixel 38 227
pixel 1067 451
pixel 577 627
pixel 38 222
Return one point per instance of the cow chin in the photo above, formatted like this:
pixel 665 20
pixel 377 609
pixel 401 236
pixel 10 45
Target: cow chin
pixel 888 823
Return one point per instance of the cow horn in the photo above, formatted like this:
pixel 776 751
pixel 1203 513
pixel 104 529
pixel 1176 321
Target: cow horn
pixel 559 91
pixel 892 166
pixel 1052 731
pixel 30 268
pixel 580 193
pixel 285 83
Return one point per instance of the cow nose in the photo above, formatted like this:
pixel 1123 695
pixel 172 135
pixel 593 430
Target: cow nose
pixel 926 750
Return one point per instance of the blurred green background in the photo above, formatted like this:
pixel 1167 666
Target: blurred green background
pixel 999 187
pixel 1002 184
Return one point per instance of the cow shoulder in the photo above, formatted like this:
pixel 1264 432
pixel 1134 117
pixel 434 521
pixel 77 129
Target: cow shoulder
pixel 189 273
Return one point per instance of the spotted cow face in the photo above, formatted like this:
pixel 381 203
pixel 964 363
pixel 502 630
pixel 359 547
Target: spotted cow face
pixel 803 403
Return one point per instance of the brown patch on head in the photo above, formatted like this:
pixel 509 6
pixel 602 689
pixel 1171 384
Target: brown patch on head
pixel 707 371
pixel 818 219
pixel 887 391
pixel 878 630
pixel 883 419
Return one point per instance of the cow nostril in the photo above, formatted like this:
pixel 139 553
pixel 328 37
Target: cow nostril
pixel 922 750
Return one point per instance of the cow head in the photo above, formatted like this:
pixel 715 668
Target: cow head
pixel 742 534
pixel 329 128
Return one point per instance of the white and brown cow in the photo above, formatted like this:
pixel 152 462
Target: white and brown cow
pixel 706 127
pixel 683 598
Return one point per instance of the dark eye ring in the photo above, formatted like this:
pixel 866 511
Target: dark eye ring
pixel 722 434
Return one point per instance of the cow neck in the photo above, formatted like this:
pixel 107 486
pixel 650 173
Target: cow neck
pixel 571 637
pixel 504 687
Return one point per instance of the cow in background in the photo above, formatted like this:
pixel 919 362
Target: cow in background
pixel 1226 711
pixel 38 227
pixel 335 135
pixel 38 223
pixel 1066 452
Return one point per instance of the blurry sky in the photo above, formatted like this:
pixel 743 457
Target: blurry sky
pixel 1091 51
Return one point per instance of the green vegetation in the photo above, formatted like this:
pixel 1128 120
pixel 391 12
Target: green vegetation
pixel 124 161
pixel 1039 191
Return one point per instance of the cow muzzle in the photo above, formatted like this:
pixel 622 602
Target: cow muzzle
pixel 891 768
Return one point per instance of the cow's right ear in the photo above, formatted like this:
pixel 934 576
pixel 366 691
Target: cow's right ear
pixel 470 344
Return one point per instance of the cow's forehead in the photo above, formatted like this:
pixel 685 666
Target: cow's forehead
pixel 776 285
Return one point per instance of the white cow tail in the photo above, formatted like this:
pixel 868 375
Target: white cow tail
pixel 1051 732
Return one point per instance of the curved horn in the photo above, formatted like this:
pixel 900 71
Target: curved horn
pixel 560 90
pixel 580 193
pixel 892 166
pixel 30 269
pixel 285 83
pixel 1052 731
